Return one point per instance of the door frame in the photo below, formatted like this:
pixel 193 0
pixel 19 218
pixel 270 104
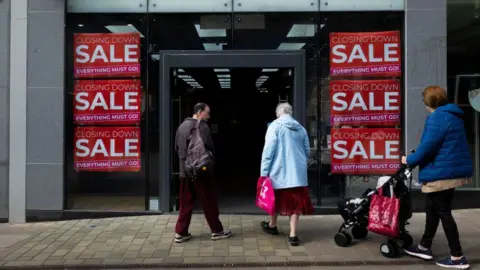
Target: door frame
pixel 218 59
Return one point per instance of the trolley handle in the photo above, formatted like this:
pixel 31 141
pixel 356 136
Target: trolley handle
pixel 406 166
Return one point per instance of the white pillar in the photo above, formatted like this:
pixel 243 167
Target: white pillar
pixel 18 112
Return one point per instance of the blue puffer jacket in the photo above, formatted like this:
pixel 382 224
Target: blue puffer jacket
pixel 443 152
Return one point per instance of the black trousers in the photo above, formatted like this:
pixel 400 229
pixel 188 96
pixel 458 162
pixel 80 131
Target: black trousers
pixel 439 208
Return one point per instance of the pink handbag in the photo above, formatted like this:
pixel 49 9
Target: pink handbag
pixel 383 215
pixel 266 195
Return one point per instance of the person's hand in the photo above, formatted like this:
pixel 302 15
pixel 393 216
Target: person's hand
pixel 404 160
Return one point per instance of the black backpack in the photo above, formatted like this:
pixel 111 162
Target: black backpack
pixel 199 158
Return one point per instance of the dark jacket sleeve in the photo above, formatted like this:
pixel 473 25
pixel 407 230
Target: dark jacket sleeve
pixel 433 136
pixel 207 137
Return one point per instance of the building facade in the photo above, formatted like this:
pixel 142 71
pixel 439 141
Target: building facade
pixel 92 92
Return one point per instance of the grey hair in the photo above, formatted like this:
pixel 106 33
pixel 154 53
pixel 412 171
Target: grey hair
pixel 284 108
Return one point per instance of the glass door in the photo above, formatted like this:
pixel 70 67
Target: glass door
pixel 243 88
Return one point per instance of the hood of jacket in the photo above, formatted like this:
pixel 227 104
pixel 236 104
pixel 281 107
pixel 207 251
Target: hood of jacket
pixel 191 119
pixel 289 122
pixel 452 109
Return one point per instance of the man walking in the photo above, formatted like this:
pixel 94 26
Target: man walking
pixel 202 184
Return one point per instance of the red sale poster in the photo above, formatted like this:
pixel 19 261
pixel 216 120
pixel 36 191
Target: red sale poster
pixel 365 151
pixel 107 149
pixel 106 102
pixel 106 55
pixel 365 103
pixel 367 54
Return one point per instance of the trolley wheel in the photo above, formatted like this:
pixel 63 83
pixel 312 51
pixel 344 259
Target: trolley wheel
pixel 343 239
pixel 359 232
pixel 390 249
pixel 407 240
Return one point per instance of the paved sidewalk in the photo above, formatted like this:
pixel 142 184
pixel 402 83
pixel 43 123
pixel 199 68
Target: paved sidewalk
pixel 148 241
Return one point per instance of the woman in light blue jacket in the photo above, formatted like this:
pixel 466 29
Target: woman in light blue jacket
pixel 284 160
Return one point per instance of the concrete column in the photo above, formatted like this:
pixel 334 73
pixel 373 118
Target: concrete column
pixel 18 111
pixel 4 104
pixel 45 99
pixel 425 61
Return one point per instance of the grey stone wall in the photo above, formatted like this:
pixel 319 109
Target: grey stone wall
pixel 45 99
pixel 426 60
pixel 4 108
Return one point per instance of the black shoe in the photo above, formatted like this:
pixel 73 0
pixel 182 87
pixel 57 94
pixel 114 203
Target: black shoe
pixel 266 228
pixel 221 235
pixel 294 241
pixel 182 238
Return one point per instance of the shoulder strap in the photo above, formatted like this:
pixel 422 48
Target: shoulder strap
pixel 380 190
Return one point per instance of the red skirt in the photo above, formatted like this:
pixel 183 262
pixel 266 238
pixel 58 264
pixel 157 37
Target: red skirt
pixel 293 201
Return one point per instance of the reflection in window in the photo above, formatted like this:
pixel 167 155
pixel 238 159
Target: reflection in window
pixel 463 55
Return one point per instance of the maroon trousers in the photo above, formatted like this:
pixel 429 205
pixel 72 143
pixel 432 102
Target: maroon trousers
pixel 204 188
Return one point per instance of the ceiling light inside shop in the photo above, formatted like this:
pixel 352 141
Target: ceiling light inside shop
pixel 210 32
pixel 123 29
pixel 191 81
pixel 261 80
pixel 291 46
pixel 218 70
pixel 213 46
pixel 302 30
pixel 224 79
pixel 270 70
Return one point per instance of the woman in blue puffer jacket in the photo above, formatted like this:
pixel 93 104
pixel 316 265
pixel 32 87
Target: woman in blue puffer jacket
pixel 444 160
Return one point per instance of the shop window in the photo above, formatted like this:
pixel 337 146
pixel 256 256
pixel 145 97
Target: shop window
pixel 311 32
pixel 360 93
pixel 106 131
pixel 463 54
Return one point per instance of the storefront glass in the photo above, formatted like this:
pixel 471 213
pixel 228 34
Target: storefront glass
pixel 107 116
pixel 132 183
pixel 463 54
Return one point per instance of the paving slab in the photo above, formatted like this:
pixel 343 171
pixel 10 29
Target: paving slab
pixel 148 241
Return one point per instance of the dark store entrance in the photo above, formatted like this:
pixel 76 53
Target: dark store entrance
pixel 242 89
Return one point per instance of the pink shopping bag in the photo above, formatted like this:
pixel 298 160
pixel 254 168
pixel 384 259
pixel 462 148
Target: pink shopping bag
pixel 266 195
